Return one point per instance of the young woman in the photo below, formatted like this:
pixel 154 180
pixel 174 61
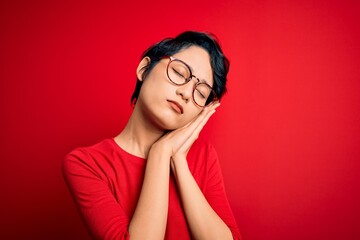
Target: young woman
pixel 153 180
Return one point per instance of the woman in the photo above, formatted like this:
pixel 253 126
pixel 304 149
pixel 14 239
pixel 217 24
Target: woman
pixel 153 180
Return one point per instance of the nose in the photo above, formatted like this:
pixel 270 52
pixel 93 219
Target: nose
pixel 186 90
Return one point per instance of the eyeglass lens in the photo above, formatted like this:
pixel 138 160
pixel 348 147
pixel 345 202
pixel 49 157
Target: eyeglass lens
pixel 180 74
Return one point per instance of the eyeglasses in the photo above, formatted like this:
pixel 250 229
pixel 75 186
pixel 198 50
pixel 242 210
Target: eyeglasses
pixel 179 73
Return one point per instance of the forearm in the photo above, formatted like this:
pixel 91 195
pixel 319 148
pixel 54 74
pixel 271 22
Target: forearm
pixel 150 216
pixel 203 221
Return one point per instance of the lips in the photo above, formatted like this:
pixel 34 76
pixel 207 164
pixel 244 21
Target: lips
pixel 176 106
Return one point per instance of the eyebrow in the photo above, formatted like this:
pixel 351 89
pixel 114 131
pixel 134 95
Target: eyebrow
pixel 204 81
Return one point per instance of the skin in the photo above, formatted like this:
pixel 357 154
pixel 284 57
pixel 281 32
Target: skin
pixel 157 132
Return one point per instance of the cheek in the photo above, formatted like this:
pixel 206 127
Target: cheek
pixel 157 82
pixel 152 88
pixel 192 114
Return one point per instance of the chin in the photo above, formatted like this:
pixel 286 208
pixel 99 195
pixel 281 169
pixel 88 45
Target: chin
pixel 169 126
pixel 169 123
pixel 166 119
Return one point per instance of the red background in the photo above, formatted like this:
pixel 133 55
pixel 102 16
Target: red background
pixel 287 132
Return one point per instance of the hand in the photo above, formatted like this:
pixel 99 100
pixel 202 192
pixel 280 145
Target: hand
pixel 179 141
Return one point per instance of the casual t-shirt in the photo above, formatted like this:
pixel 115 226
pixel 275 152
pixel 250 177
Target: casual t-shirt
pixel 105 182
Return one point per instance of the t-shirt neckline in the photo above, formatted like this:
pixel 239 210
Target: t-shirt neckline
pixel 119 148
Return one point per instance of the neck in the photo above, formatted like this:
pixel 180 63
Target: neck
pixel 138 135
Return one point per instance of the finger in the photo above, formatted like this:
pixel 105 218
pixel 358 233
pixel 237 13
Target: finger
pixel 204 115
pixel 213 105
pixel 195 134
pixel 189 133
pixel 202 123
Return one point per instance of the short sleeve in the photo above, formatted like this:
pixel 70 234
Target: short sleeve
pixel 216 195
pixel 101 213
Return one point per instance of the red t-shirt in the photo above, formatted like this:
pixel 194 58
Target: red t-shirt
pixel 105 182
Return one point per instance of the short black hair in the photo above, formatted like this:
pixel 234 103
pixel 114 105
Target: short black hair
pixel 169 46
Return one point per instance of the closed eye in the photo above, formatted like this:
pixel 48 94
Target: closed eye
pixel 200 93
pixel 178 73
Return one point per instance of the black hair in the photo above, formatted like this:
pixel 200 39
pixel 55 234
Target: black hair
pixel 169 46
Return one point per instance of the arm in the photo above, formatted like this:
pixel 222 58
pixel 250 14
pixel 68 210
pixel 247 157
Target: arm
pixel 101 213
pixel 208 214
pixel 86 176
pixel 203 221
pixel 150 216
pixel 151 210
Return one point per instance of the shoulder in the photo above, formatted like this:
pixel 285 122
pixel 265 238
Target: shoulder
pixel 89 158
pixel 87 151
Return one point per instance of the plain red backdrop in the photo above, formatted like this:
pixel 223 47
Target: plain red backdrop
pixel 287 133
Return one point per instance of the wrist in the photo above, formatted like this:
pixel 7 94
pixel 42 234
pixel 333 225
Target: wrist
pixel 160 149
pixel 179 163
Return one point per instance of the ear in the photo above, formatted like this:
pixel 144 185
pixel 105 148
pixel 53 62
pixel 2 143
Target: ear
pixel 144 63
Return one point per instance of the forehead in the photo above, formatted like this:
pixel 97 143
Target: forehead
pixel 199 61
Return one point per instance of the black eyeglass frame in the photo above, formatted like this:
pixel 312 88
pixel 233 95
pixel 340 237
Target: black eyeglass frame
pixel 171 59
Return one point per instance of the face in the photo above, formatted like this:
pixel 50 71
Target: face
pixel 169 106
